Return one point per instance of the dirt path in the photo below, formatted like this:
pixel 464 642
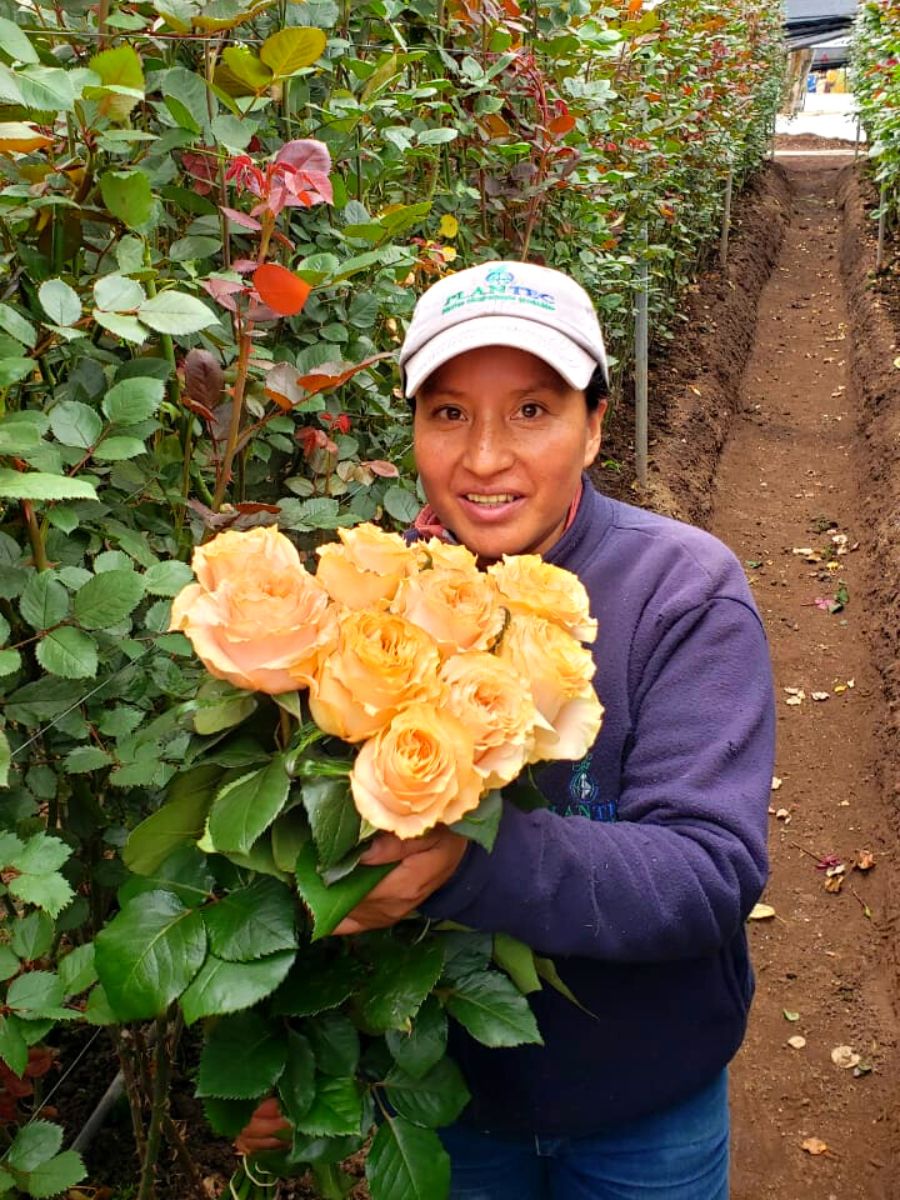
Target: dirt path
pixel 788 482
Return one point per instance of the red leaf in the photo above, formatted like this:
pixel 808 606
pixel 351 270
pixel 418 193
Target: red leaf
pixel 378 466
pixel 240 218
pixel 204 379
pixel 305 154
pixel 283 386
pixel 333 374
pixel 281 289
pixel 250 507
pixel 563 124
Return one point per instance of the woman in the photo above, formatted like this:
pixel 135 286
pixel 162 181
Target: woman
pixel 639 875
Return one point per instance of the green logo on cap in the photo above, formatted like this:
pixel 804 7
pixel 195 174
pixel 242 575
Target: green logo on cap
pixel 500 284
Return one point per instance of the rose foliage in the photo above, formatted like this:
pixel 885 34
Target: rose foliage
pixel 431 684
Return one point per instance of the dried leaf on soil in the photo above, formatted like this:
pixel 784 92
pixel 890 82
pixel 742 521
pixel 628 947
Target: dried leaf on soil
pixel 796 1043
pixel 790 1015
pixel 820 696
pixel 761 912
pixel 865 860
pixel 776 783
pixel 814 1145
pixel 845 1057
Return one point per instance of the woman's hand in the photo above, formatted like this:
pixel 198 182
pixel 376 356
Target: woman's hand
pixel 424 864
pixel 267 1129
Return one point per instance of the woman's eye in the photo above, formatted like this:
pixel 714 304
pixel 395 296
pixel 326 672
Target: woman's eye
pixel 450 413
pixel 531 409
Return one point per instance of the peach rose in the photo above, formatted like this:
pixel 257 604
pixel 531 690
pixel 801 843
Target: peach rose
pixel 380 665
pixel 435 553
pixel 366 567
pixel 416 772
pixel 531 586
pixel 255 616
pixel 459 609
pixel 494 701
pixel 560 671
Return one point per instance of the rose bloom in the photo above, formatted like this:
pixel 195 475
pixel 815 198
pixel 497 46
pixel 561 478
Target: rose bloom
pixel 560 671
pixel 435 553
pixel 531 586
pixel 255 616
pixel 366 567
pixel 380 665
pixel 492 699
pixel 416 772
pixel 459 609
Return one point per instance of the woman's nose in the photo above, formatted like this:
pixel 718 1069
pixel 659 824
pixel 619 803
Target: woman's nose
pixel 488 451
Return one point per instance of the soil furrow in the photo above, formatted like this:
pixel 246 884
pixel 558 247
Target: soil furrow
pixel 787 500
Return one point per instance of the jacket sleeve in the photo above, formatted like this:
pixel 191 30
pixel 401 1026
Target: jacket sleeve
pixel 679 870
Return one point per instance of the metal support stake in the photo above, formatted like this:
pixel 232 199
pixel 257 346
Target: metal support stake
pixel 726 221
pixel 641 346
pixel 856 144
pixel 882 228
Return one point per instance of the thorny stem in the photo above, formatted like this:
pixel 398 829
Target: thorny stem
pixel 162 1066
pixel 34 536
pixel 133 1091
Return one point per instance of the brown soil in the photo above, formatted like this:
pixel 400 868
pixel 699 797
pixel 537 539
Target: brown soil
pixel 810 141
pixel 787 368
pixel 775 418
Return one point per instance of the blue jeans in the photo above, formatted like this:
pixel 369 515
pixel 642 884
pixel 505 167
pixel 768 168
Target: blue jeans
pixel 679 1154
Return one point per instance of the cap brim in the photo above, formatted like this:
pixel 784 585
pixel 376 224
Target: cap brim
pixel 566 357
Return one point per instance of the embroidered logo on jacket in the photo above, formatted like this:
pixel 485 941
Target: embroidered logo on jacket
pixel 584 795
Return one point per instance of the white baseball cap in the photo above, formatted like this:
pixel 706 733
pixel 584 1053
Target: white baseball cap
pixel 516 304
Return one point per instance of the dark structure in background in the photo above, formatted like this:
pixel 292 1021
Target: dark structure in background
pixel 807 25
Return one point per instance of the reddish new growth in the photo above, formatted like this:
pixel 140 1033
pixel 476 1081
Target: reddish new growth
pixel 297 178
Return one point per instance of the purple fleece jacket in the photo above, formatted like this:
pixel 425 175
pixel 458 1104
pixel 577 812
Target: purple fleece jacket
pixel 639 876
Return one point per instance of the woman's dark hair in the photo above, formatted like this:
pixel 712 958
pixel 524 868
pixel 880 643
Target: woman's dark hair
pixel 597 389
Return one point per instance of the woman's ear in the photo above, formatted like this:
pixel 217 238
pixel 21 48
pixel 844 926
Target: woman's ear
pixel 594 433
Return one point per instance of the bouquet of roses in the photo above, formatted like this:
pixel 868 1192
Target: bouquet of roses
pixel 408 688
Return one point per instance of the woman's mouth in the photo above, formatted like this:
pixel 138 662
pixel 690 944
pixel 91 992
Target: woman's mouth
pixel 490 500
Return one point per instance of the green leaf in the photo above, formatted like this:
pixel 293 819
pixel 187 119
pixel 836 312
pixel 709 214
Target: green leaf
pixel 242 1059
pixel 85 759
pixel 432 1100
pixel 17 327
pixel 12 370
pixel 335 1043
pixel 330 904
pixel 13 1047
pixel 68 652
pixel 227 1117
pixel 289 833
pixel 55 1176
pixel 35 994
pixel 128 328
pixel 548 971
pixel 108 598
pixel 482 824
pixel 493 1010
pixel 332 817
pixel 115 293
pixel 76 970
pixel 75 424
pixel 32 936
pixel 317 983
pixel 18 437
pixel 5 758
pixel 15 43
pixel 36 485
pixel 402 504
pixel 44 602
pixel 42 853
pixel 407 1161
pixel 244 809
pixel 420 1049
pixel 128 196
pixel 297 1086
pixel 176 313
pixel 10 662
pixel 436 137
pixel 148 954
pixel 189 249
pixel 241 73
pixel 336 1109
pixel 518 961
pixel 97 1011
pixel 291 49
pixel 132 401
pixel 402 976
pixel 179 821
pixel 59 301
pixel 47 89
pixel 226 987
pixel 167 578
pixel 50 892
pixel 116 449
pixel 119 68
pixel 251 922
pixel 35 1144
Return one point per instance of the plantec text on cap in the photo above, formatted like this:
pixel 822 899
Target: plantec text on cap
pixel 516 304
